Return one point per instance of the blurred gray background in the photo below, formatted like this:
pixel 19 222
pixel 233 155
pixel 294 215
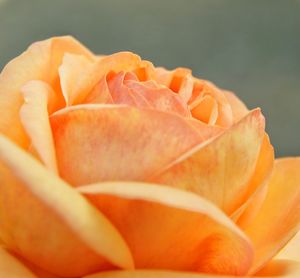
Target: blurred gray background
pixel 250 47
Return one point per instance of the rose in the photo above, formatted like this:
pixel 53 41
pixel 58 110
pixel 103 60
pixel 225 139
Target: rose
pixel 110 163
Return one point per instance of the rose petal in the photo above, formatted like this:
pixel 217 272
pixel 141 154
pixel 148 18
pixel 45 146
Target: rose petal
pixel 52 225
pixel 280 268
pixel 221 169
pixel 205 88
pixel 119 92
pixel 72 67
pixel 160 98
pixel 35 119
pixel 121 61
pixel 279 218
pixel 99 94
pixel 239 109
pixel 112 142
pixel 10 267
pixel 274 269
pixel 291 250
pixel 39 62
pixel 258 185
pixel 206 110
pixel 164 228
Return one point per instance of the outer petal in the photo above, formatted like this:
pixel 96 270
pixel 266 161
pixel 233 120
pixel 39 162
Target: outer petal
pixel 258 185
pixel 164 228
pixel 279 218
pixel 39 62
pixel 10 267
pixel 221 169
pixel 35 119
pixel 274 269
pixel 239 109
pixel 50 224
pixel 112 142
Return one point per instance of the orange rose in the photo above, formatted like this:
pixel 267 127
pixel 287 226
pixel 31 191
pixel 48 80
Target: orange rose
pixel 110 167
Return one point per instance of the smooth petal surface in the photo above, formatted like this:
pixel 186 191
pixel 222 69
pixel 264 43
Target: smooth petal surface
pixel 220 169
pixel 71 69
pixel 47 222
pixel 278 268
pixel 279 218
pixel 292 250
pixel 239 109
pixel 35 119
pixel 258 185
pixel 164 228
pixel 10 267
pixel 39 62
pixel 112 142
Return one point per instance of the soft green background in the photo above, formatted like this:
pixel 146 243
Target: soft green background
pixel 250 47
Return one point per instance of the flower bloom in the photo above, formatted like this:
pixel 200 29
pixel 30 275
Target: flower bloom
pixel 111 167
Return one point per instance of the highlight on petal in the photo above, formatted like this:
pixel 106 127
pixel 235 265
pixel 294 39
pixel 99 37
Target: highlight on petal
pixel 71 69
pixel 11 267
pixel 279 217
pixel 239 109
pixel 35 119
pixel 112 142
pixel 257 186
pixel 219 169
pixel 52 225
pixel 39 62
pixel 280 268
pixel 163 228
pixel 291 250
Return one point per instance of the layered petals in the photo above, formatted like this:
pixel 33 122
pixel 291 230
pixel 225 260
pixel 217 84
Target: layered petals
pixel 112 142
pixel 39 62
pixel 221 168
pixel 34 203
pixel 279 217
pixel 164 228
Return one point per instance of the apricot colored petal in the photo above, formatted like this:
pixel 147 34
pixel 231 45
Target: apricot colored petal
pixel 280 268
pixel 239 109
pixel 113 142
pixel 258 185
pixel 221 168
pixel 39 62
pixel 276 268
pixel 279 217
pixel 160 98
pixel 35 119
pixel 72 67
pixel 206 110
pixel 163 227
pixel 11 267
pixel 119 92
pixel 52 216
pixel 121 61
pixel 100 94
pixel 291 250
